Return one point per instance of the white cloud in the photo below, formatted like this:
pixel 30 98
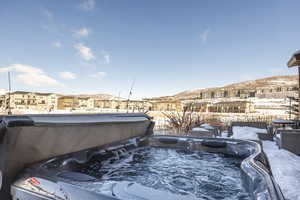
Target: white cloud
pixel 37 79
pixel 87 54
pixel 106 57
pixel 87 5
pixel 204 35
pixel 98 75
pixel 57 44
pixel 22 68
pixel 67 75
pixel 83 32
pixel 31 76
pixel 84 52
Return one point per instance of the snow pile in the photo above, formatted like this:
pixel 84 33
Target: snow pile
pixel 268 101
pixel 199 129
pixel 285 168
pixel 282 121
pixel 224 134
pixel 207 126
pixel 203 127
pixel 246 133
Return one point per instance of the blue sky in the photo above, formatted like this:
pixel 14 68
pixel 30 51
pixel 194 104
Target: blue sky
pixel 101 46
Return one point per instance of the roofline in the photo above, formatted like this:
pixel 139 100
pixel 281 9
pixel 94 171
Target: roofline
pixel 294 60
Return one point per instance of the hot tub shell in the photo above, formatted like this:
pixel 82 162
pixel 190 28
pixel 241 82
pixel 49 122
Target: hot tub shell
pixel 74 140
pixel 256 177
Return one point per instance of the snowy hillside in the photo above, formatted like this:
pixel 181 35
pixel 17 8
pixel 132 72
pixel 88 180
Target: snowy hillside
pixel 269 82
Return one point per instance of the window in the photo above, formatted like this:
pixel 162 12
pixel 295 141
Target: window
pixel 238 94
pixel 252 94
pixel 225 93
pixel 278 89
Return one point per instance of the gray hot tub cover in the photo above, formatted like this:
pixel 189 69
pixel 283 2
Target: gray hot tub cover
pixel 28 139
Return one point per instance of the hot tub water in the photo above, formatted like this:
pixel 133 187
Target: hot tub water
pixel 197 174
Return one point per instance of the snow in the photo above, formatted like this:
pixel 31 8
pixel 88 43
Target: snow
pixel 223 135
pixel 282 121
pixel 246 133
pixel 284 81
pixel 268 100
pixel 217 100
pixel 199 129
pixel 207 126
pixel 278 136
pixel 284 164
pixel 203 127
pixel 277 112
pixel 285 168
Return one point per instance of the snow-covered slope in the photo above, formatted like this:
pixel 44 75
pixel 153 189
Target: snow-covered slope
pixel 269 82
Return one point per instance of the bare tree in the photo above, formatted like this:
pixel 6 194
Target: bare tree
pixel 182 121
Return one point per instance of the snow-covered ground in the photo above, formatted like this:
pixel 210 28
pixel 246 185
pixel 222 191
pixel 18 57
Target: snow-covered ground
pixel 199 129
pixel 207 126
pixel 246 133
pixel 285 168
pixel 284 164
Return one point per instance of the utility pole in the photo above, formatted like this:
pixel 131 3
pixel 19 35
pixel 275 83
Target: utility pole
pixel 119 103
pixel 290 113
pixel 290 107
pixel 8 99
pixel 129 95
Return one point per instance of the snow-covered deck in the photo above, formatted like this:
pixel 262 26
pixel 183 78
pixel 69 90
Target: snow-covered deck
pixel 246 133
pixel 285 168
pixel 284 164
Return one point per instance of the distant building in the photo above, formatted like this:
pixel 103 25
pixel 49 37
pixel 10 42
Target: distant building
pixel 67 103
pixel 221 105
pixel 52 102
pixel 105 103
pixel 164 104
pixel 2 103
pixel 263 96
pixel 20 100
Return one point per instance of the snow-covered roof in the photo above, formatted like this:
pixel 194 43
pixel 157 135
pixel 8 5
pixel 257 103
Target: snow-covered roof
pixel 282 121
pixel 217 100
pixel 207 126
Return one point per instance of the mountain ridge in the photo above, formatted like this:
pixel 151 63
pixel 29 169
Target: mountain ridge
pixel 267 82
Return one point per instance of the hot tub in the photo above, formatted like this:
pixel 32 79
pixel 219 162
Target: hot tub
pixel 153 167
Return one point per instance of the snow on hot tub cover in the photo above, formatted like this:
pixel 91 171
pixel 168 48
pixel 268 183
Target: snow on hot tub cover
pixel 26 139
